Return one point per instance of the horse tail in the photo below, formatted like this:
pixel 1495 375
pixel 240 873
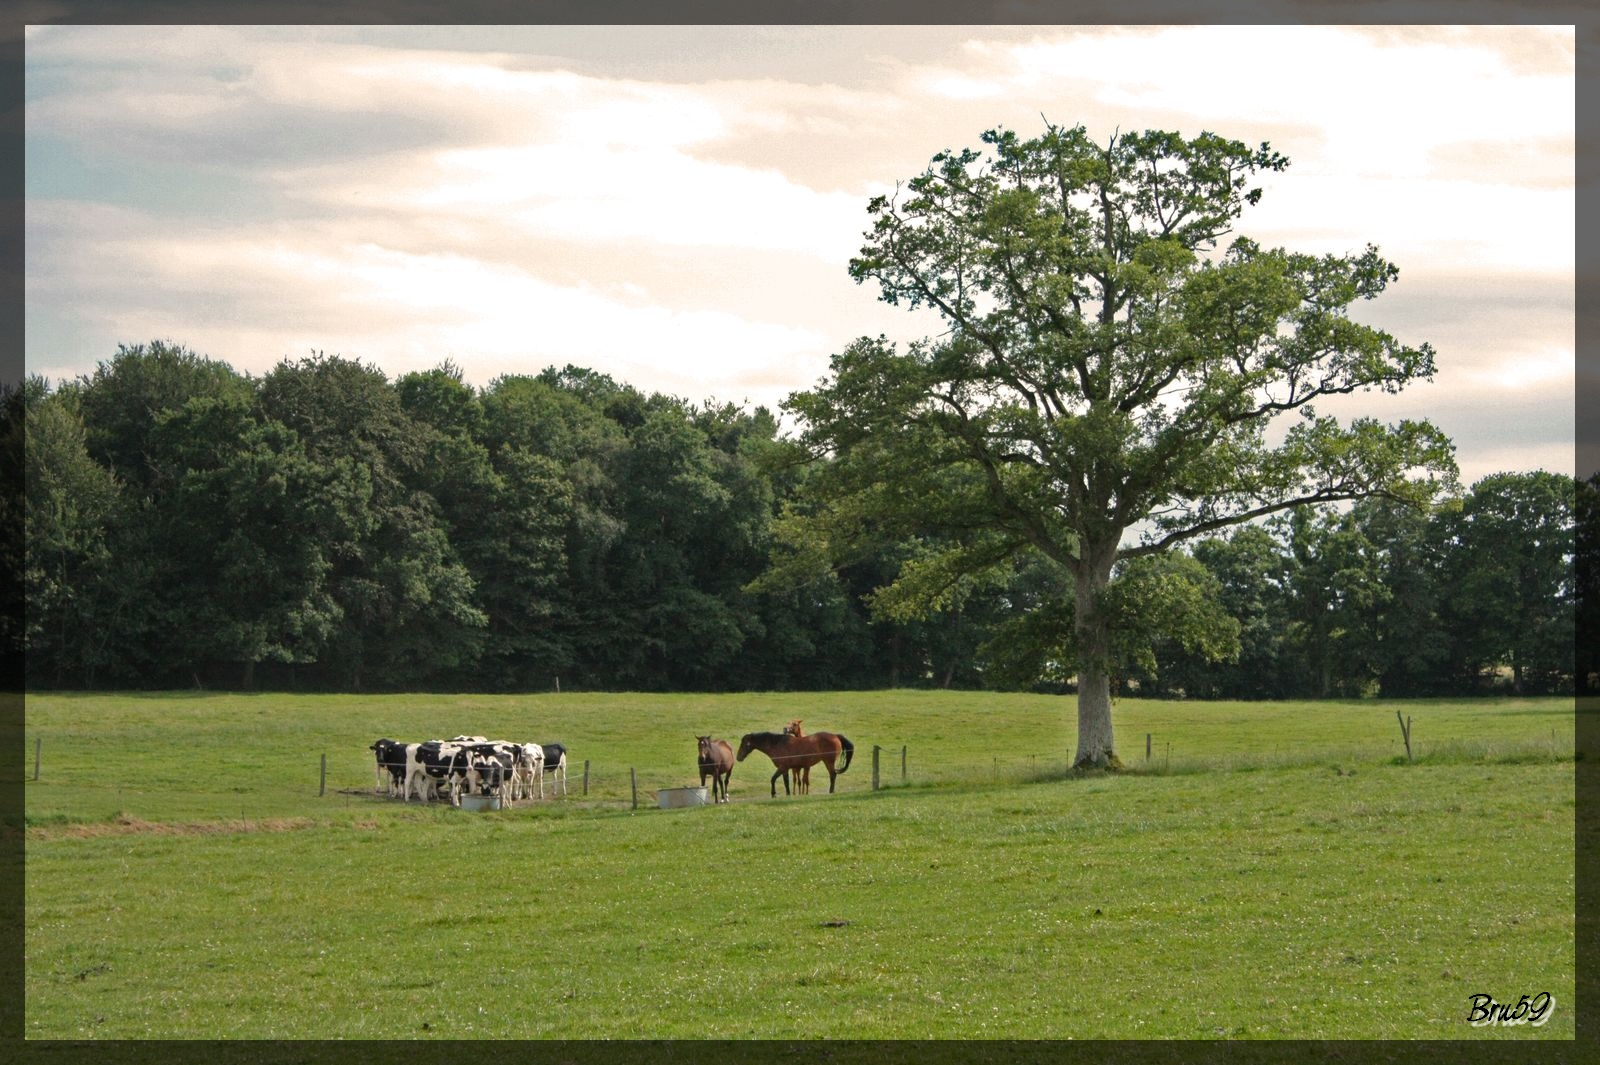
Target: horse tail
pixel 849 753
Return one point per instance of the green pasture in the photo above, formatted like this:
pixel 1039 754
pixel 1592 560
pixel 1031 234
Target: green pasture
pixel 1272 871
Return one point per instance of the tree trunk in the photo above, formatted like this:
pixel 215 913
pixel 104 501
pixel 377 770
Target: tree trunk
pixel 1096 749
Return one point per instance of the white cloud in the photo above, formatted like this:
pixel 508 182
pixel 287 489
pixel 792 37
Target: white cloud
pixel 1379 106
pixel 511 212
pixel 280 293
pixel 616 194
pixel 1440 224
pixel 1530 371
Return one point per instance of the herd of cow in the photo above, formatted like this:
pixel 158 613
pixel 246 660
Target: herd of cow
pixel 469 765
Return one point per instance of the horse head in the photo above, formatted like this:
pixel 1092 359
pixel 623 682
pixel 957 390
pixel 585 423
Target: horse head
pixel 793 728
pixel 746 744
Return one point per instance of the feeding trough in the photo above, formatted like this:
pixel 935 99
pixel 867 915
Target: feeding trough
pixel 675 798
pixel 480 802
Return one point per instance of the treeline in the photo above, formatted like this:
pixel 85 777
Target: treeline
pixel 323 527
pixel 1478 594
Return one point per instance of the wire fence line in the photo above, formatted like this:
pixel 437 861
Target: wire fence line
pixel 875 766
pixel 359 776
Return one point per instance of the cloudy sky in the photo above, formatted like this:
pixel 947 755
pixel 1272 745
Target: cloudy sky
pixel 676 206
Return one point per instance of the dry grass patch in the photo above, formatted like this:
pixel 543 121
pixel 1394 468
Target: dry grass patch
pixel 124 825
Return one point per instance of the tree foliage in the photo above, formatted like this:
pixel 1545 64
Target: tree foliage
pixel 565 528
pixel 1105 377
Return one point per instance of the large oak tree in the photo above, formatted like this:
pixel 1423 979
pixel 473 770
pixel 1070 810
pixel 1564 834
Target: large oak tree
pixel 1106 378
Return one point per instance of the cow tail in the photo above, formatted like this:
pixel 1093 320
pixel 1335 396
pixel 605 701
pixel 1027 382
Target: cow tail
pixel 849 753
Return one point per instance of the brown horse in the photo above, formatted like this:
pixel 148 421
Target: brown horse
pixel 767 743
pixel 802 775
pixel 716 762
pixel 795 754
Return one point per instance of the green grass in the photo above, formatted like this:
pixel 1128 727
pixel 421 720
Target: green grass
pixel 1284 872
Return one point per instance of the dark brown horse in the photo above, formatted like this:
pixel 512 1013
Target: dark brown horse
pixel 716 762
pixel 767 743
pixel 796 754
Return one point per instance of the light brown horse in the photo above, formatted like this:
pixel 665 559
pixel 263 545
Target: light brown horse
pixel 716 762
pixel 795 753
pixel 802 774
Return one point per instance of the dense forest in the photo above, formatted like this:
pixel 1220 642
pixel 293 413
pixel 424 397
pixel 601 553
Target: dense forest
pixel 323 527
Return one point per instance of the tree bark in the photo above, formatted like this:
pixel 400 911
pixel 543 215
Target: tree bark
pixel 1096 746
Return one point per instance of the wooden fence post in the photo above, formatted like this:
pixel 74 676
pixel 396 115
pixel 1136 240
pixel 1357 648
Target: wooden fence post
pixel 38 747
pixel 875 750
pixel 586 776
pixel 633 777
pixel 1148 737
pixel 1405 732
pixel 903 777
pixel 322 782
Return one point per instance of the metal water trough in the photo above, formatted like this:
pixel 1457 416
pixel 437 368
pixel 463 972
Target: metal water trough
pixel 673 798
pixel 480 802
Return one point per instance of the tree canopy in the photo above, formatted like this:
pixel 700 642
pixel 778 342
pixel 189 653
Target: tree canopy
pixel 530 544
pixel 1104 382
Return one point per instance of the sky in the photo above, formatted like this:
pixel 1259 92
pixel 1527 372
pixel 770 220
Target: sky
pixel 677 206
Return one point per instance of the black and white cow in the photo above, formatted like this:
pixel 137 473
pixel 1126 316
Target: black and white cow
pixel 437 767
pixel 555 764
pixel 491 767
pixel 529 771
pixel 389 757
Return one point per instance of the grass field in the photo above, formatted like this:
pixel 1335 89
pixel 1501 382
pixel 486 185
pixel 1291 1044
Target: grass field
pixel 1273 870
